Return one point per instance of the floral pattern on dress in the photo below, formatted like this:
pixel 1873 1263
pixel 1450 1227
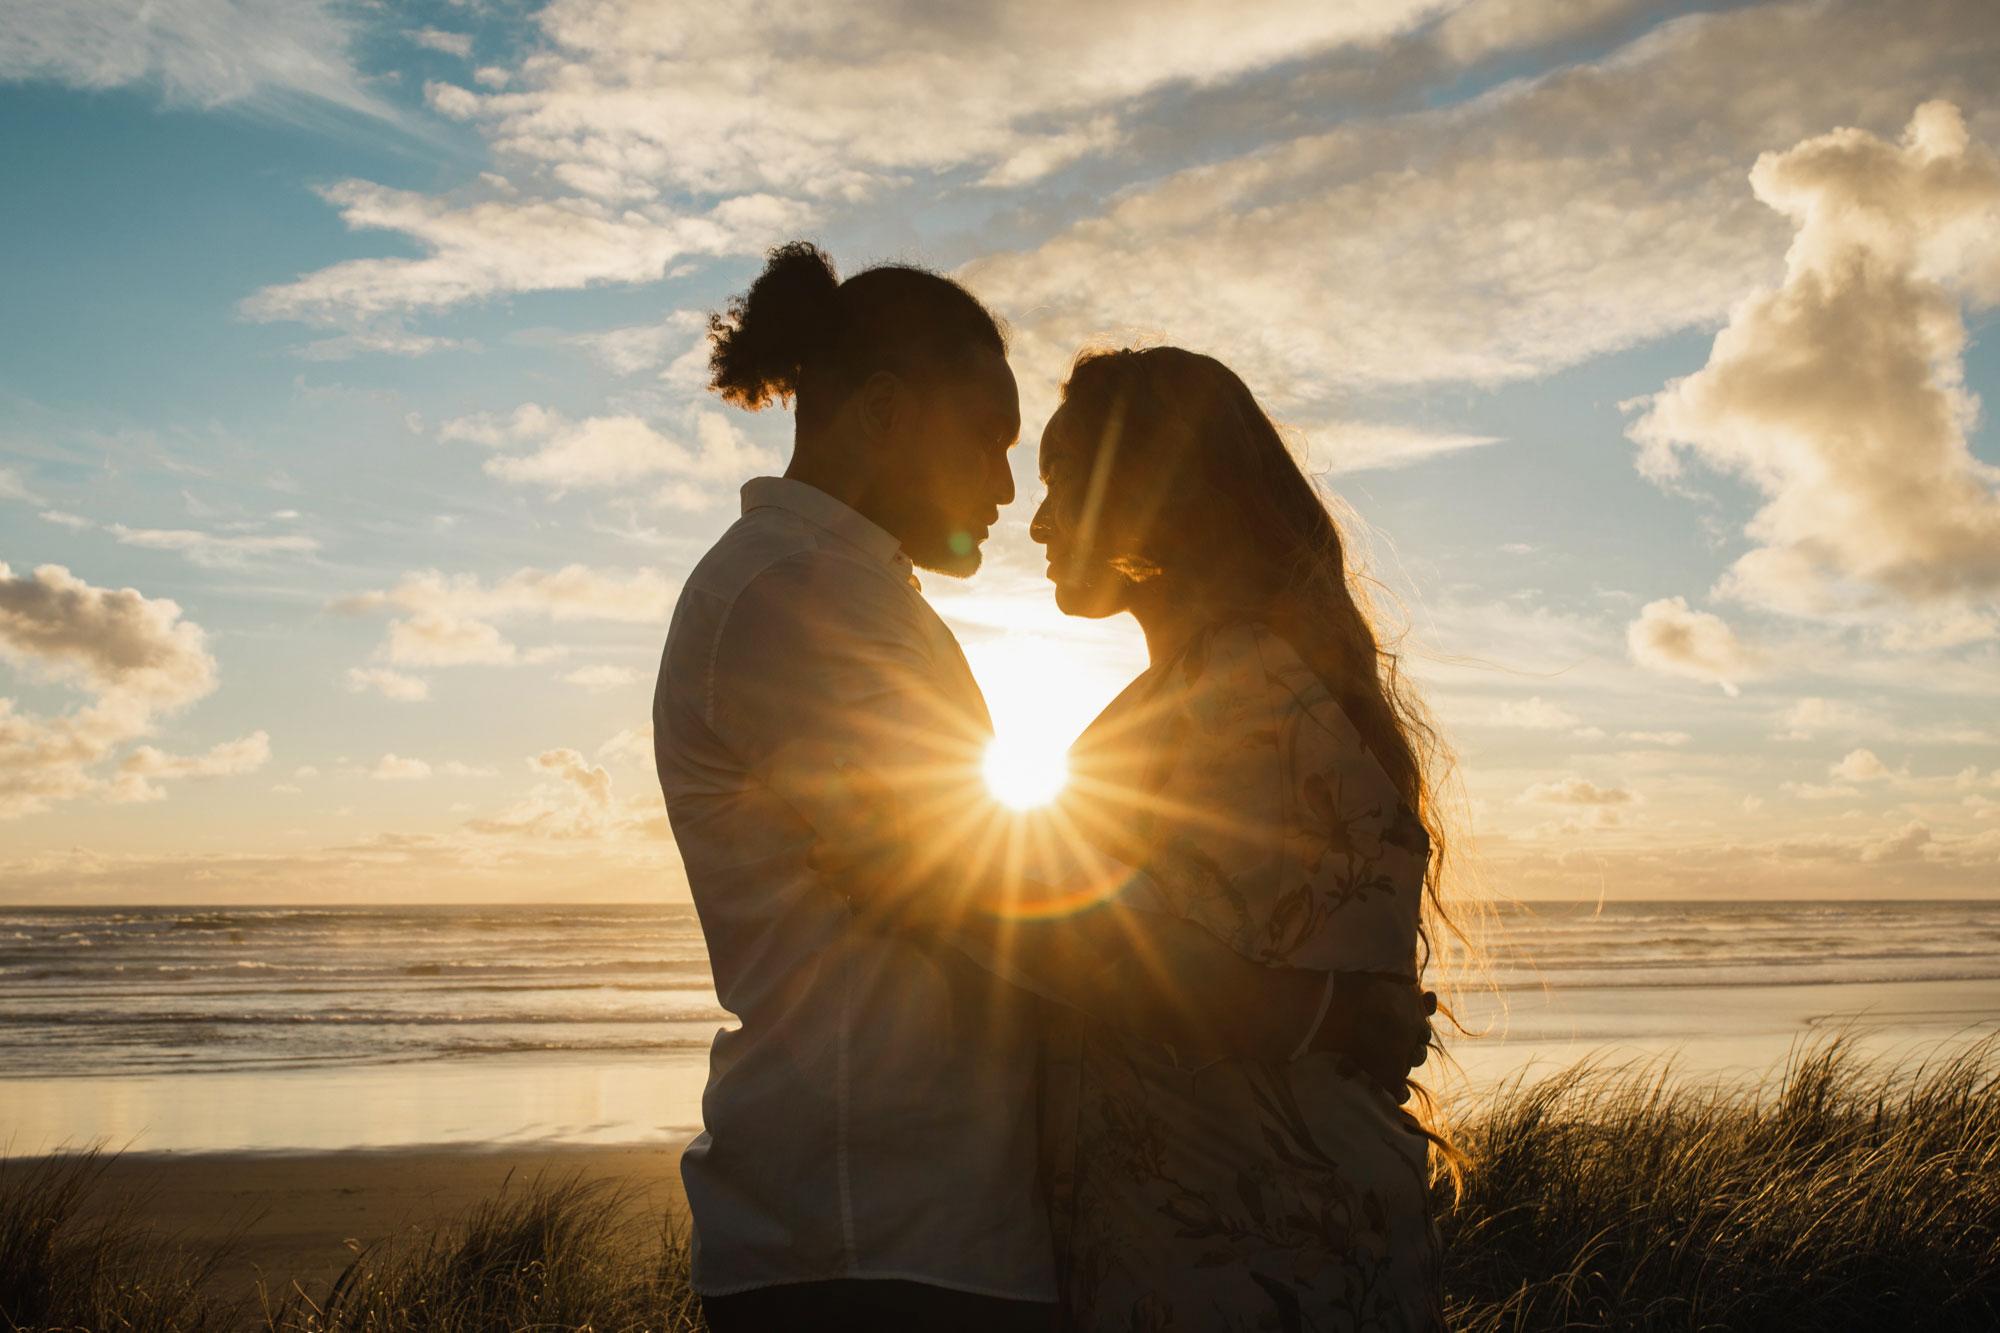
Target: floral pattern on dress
pixel 1229 1194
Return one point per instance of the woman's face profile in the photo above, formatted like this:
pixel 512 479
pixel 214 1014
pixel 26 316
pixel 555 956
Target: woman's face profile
pixel 1074 525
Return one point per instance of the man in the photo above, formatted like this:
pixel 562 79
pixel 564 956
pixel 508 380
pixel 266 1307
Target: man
pixel 870 1152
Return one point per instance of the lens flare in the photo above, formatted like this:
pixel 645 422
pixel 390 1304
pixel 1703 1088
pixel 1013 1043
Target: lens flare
pixel 1022 774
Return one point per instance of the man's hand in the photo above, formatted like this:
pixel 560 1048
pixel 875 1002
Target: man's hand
pixel 1382 1023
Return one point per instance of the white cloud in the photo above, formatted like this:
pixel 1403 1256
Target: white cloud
pixel 200 52
pixel 602 676
pixel 1355 446
pixel 637 347
pixel 1533 715
pixel 1840 395
pixel 210 549
pixel 447 620
pixel 1859 766
pixel 1906 844
pixel 489 247
pixel 247 755
pixel 1541 224
pixel 392 768
pixel 388 684
pixel 134 654
pixel 1483 28
pixel 605 452
pixel 1576 791
pixel 13 488
pixel 1656 737
pixel 1670 638
pixel 451 43
pixel 632 99
pixel 1811 715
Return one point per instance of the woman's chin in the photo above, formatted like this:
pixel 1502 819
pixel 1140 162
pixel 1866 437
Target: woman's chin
pixel 1087 601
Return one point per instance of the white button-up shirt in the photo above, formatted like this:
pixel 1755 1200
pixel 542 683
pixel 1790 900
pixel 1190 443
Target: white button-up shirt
pixel 873 1115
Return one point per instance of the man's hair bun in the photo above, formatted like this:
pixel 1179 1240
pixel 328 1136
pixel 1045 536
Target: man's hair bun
pixel 761 346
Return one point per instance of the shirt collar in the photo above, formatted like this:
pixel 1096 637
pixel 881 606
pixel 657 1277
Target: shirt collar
pixel 822 510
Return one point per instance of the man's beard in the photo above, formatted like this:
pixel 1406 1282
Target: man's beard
pixel 935 543
pixel 939 555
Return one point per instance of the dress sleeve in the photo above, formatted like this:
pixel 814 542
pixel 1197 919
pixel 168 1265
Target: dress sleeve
pixel 1277 829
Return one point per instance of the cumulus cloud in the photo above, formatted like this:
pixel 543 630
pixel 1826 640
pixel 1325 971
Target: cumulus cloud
pixel 447 620
pixel 388 684
pixel 1532 714
pixel 1810 716
pixel 602 676
pixel 394 768
pixel 1840 395
pixel 604 452
pixel 247 755
pixel 199 52
pixel 134 654
pixel 1906 844
pixel 1670 638
pixel 1859 766
pixel 451 43
pixel 575 799
pixel 486 247
pixel 1576 791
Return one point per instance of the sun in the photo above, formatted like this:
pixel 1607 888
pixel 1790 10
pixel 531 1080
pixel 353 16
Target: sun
pixel 1024 772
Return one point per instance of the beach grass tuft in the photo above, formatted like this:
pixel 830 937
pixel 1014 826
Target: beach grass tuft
pixel 556 1253
pixel 1837 1196
pixel 68 1264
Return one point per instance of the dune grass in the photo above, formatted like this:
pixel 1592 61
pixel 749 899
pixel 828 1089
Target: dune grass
pixel 66 1266
pixel 1835 1196
pixel 556 1253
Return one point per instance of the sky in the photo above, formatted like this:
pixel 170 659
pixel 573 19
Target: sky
pixel 353 436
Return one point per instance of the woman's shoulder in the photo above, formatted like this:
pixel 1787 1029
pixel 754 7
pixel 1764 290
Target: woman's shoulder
pixel 1248 656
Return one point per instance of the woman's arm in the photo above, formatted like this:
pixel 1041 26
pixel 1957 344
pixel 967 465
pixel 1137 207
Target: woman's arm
pixel 1155 976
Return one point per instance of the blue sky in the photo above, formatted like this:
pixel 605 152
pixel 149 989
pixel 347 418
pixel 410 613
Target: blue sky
pixel 353 440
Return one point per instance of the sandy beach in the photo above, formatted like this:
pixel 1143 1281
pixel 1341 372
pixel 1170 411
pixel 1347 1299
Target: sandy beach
pixel 301 1217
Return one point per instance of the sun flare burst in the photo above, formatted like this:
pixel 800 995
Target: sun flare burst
pixel 1025 772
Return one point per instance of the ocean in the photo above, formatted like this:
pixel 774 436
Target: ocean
pixel 306 1028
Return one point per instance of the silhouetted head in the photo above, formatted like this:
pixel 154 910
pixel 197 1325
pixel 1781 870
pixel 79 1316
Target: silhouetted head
pixel 905 405
pixel 1167 480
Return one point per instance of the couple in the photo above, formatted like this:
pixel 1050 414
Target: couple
pixel 1133 1063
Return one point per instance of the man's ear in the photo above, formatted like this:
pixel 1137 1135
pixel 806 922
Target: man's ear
pixel 878 402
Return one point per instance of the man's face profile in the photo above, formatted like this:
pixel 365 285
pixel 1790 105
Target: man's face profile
pixel 948 472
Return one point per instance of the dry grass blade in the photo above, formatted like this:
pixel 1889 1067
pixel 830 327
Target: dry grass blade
pixel 65 1265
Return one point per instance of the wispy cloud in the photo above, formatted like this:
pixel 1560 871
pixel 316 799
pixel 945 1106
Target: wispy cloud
pixel 200 52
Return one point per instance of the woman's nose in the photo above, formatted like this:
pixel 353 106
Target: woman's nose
pixel 1040 529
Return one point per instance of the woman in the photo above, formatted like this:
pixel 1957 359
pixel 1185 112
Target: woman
pixel 1269 776
pixel 1268 772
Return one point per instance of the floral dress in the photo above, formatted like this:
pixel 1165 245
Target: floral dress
pixel 1197 1193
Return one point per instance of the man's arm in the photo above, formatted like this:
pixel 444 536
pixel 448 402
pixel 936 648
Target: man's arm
pixel 822 685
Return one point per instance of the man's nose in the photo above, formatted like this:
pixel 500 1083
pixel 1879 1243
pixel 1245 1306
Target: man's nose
pixel 1004 488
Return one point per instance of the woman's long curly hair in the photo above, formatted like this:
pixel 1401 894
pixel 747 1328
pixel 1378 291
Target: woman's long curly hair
pixel 1211 497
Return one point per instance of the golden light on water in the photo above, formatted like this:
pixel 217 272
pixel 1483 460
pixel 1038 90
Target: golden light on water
pixel 1023 772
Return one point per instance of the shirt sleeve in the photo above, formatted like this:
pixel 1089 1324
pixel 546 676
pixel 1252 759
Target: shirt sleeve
pixel 1289 841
